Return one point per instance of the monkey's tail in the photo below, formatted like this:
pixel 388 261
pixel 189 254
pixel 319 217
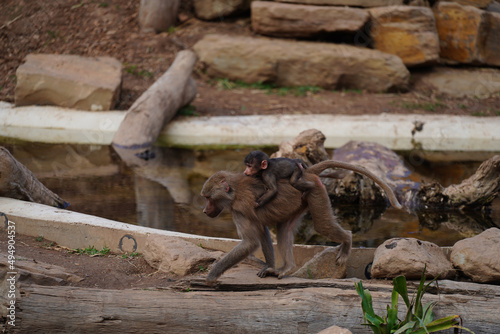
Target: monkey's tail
pixel 319 167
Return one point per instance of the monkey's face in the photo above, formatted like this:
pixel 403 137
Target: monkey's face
pixel 218 195
pixel 211 208
pixel 252 169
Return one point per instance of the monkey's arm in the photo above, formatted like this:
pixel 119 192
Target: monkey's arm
pixel 272 188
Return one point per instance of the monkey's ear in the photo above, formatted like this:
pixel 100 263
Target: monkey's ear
pixel 226 185
pixel 263 164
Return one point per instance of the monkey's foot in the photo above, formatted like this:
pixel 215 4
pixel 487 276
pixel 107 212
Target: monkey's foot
pixel 285 271
pixel 264 272
pixel 211 281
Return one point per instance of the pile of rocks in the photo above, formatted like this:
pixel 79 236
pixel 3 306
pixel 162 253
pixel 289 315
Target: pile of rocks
pixel 464 32
pixel 475 258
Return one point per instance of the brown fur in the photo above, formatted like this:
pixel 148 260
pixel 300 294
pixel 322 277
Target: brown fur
pixel 237 193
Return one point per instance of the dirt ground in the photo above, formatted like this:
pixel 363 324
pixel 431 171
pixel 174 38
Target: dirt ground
pixel 112 271
pixel 110 28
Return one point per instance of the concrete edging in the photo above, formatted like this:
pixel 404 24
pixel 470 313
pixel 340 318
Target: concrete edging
pixel 77 230
pixel 440 132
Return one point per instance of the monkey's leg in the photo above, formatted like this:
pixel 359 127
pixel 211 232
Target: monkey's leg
pixel 299 182
pixel 285 246
pixel 267 248
pixel 325 222
pixel 236 255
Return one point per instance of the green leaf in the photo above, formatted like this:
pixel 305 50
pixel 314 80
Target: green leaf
pixel 407 326
pixel 401 288
pixel 428 315
pixel 439 325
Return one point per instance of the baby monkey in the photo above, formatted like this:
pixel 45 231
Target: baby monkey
pixel 270 170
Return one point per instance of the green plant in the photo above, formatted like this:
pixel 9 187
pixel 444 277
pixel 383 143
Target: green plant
pixel 39 238
pixel 269 88
pixel 188 110
pixel 478 113
pixel 130 255
pixel 91 250
pixel 133 69
pixel 419 319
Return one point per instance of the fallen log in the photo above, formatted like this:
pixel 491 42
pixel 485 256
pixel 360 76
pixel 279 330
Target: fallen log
pixel 134 141
pixel 17 181
pixel 157 106
pixel 65 309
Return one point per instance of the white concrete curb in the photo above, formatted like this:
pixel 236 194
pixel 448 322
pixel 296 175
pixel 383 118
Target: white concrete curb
pixel 440 132
pixel 78 230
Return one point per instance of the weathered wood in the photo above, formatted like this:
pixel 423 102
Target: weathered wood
pixel 17 181
pixel 134 141
pixel 158 105
pixel 473 193
pixel 45 309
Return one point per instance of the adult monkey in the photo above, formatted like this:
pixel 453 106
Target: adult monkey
pixel 238 192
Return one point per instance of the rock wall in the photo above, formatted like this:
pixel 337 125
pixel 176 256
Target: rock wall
pixel 454 32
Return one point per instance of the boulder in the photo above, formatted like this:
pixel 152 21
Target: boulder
pixel 158 15
pixel 291 20
pixel 475 3
pixel 407 32
pixel 477 257
pixel 467 34
pixel 494 7
pixel 213 9
pixel 408 257
pixel 177 256
pixel 335 330
pixel 349 3
pixel 459 82
pixel 292 63
pixel 322 265
pixel 69 81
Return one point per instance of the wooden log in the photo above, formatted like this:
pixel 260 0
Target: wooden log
pixel 158 105
pixel 17 181
pixel 45 309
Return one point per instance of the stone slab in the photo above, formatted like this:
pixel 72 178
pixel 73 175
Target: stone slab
pixel 69 81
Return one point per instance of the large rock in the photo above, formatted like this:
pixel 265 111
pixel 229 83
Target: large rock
pixel 322 265
pixel 214 9
pixel 177 256
pixel 69 81
pixel 478 257
pixel 291 63
pixel 291 20
pixel 459 82
pixel 475 3
pixel 467 34
pixel 349 3
pixel 158 15
pixel 335 330
pixel 408 257
pixel 407 32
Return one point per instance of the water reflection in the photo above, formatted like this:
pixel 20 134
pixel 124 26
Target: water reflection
pixel 95 181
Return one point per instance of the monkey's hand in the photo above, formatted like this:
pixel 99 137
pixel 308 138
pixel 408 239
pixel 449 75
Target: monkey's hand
pixel 256 205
